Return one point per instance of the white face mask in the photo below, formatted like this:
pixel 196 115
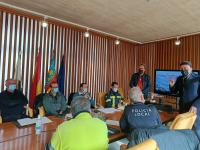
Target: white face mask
pixel 115 89
pixel 85 90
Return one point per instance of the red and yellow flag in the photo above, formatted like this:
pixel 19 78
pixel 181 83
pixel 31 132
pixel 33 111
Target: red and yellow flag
pixel 36 85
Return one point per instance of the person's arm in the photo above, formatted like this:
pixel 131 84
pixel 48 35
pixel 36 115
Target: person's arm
pixel 174 88
pixel 108 100
pixel 148 85
pixel 158 120
pixel 123 122
pixel 133 78
pixel 63 103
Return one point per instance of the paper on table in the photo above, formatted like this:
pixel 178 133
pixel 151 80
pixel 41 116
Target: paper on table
pixel 69 116
pixel 44 120
pixel 108 110
pixel 29 121
pixel 112 122
pixel 25 121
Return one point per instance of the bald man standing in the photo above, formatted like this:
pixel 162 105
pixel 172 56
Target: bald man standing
pixel 12 102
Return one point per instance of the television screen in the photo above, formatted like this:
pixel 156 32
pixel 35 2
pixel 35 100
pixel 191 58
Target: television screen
pixel 162 78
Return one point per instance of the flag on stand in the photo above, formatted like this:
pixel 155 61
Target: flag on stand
pixel 61 76
pixel 51 76
pixel 36 85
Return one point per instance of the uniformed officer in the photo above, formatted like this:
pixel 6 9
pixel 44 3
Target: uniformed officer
pixel 113 98
pixel 137 114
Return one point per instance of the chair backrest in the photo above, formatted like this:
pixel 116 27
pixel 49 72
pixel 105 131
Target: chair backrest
pixel 121 92
pixel 1 120
pixel 149 144
pixel 184 121
pixel 101 99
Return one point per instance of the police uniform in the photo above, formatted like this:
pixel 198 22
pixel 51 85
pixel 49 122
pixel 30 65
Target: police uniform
pixel 112 99
pixel 139 115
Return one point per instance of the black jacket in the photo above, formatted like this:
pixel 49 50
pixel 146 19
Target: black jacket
pixel 146 83
pixel 139 115
pixel 12 105
pixel 188 89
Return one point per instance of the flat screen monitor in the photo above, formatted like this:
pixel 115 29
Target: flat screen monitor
pixel 162 78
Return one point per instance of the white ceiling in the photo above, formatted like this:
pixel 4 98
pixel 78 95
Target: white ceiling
pixel 139 20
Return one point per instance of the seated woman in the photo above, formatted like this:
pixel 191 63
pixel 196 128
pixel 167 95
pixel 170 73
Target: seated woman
pixel 137 114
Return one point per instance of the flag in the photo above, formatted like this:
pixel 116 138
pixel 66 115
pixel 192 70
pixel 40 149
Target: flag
pixel 17 75
pixel 36 85
pixel 51 76
pixel 61 76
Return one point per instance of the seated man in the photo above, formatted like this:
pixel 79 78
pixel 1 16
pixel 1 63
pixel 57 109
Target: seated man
pixel 82 132
pixel 12 102
pixel 83 91
pixel 137 114
pixel 54 102
pixel 113 98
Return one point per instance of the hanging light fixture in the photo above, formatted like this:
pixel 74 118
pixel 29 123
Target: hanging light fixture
pixel 177 42
pixel 117 41
pixel 86 34
pixel 44 22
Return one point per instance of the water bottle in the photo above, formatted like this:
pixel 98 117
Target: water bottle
pixel 38 125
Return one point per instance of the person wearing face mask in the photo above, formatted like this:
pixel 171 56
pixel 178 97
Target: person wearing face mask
pixel 142 80
pixel 12 102
pixel 83 91
pixel 113 98
pixel 54 102
pixel 187 86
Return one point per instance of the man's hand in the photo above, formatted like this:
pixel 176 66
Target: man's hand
pixel 171 83
pixel 193 109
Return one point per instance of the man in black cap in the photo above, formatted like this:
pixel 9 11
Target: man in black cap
pixel 187 87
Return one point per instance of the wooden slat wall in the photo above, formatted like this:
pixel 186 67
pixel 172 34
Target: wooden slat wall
pixel 92 60
pixel 121 64
pixel 85 59
pixel 166 55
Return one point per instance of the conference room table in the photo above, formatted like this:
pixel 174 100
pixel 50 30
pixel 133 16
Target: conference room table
pixel 24 138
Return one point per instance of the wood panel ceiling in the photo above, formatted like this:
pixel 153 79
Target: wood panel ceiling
pixel 139 20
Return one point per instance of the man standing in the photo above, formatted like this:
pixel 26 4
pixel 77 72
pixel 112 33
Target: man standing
pixel 187 87
pixel 54 102
pixel 142 80
pixel 83 91
pixel 12 102
pixel 113 98
pixel 83 132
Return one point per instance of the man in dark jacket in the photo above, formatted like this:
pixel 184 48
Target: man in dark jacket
pixel 12 102
pixel 113 98
pixel 187 87
pixel 142 80
pixel 137 114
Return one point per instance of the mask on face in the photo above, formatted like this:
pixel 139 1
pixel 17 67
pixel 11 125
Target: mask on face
pixel 115 89
pixel 12 87
pixel 141 71
pixel 84 90
pixel 55 90
pixel 185 73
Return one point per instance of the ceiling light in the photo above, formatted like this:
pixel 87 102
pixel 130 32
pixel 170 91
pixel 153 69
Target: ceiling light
pixel 177 42
pixel 86 34
pixel 117 42
pixel 44 23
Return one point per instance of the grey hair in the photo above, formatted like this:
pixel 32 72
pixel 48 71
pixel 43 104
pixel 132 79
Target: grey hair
pixel 80 103
pixel 135 94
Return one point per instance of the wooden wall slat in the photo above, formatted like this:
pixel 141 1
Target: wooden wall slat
pixel 95 60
